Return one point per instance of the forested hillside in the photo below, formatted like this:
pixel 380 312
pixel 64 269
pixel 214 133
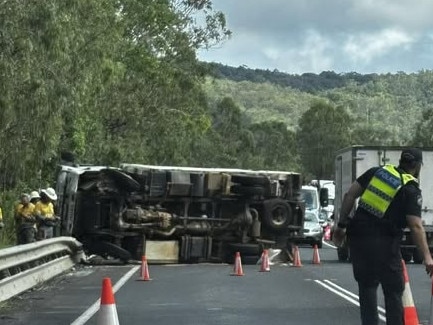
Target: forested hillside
pixel 307 82
pixel 114 82
pixel 391 109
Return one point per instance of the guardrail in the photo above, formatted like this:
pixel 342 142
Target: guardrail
pixel 25 266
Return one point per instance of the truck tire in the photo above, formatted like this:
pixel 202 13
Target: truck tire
pixel 277 214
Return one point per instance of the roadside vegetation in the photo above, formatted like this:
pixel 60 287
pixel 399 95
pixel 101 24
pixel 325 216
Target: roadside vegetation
pixel 120 81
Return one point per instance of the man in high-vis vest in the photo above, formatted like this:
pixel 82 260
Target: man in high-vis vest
pixel 389 201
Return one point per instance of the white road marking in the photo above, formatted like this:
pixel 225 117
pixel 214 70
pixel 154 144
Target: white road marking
pixel 329 244
pixel 347 295
pixel 84 317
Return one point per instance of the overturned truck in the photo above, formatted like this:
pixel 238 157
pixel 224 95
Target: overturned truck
pixel 179 214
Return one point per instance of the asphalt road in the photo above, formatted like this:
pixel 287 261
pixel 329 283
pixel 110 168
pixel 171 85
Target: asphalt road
pixel 208 294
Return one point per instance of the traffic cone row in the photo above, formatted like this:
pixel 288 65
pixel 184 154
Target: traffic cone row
pixel 410 314
pixel 107 314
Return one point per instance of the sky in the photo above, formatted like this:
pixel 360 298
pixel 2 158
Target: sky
pixel 311 36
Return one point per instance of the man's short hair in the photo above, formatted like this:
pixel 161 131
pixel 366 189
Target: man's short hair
pixel 411 155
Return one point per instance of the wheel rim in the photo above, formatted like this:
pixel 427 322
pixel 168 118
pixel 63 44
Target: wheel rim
pixel 278 216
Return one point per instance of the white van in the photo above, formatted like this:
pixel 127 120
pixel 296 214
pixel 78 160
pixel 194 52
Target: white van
pixel 315 217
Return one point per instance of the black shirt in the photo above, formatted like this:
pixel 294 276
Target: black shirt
pixel 408 201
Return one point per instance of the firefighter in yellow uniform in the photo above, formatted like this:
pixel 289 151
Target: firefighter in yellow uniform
pixel 44 212
pixel 25 220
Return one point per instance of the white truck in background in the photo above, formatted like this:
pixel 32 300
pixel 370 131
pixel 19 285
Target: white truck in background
pixel 328 210
pixel 351 162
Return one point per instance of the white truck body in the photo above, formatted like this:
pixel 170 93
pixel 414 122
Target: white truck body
pixel 351 162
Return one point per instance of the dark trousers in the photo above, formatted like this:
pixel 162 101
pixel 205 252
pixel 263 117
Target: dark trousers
pixel 26 234
pixel 377 260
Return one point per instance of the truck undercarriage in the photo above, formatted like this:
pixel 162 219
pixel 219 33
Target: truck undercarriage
pixel 173 214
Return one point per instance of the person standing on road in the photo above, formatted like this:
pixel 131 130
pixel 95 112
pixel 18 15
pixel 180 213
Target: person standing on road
pixel 389 201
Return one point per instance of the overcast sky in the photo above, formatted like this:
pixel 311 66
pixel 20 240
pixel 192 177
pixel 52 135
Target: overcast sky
pixel 298 36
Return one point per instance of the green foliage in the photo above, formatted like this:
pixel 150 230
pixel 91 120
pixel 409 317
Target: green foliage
pixel 108 81
pixel 8 200
pixel 323 130
pixel 274 146
pixel 307 82
pixel 381 109
pixel 262 102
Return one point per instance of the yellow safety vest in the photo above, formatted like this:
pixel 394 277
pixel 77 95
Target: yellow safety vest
pixel 382 189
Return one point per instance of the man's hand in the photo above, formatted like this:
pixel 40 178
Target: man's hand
pixel 339 236
pixel 429 265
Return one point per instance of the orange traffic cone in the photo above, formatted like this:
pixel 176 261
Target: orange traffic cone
pixel 297 262
pixel 238 265
pixel 316 257
pixel 265 266
pixel 410 314
pixel 107 314
pixel 327 233
pixel 144 272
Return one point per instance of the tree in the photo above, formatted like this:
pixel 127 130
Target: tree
pixel 275 145
pixel 323 130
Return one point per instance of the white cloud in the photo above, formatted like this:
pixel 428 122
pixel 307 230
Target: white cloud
pixel 298 36
pixel 366 47
pixel 310 56
pixel 407 14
